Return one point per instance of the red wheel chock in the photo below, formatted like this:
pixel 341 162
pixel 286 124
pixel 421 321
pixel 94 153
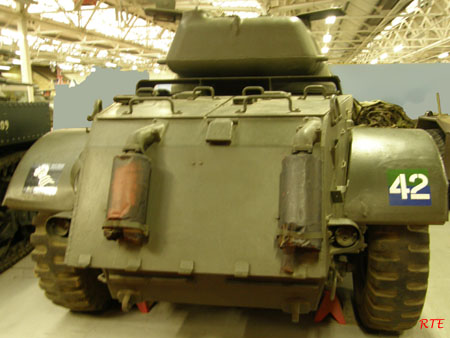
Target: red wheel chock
pixel 143 307
pixel 330 306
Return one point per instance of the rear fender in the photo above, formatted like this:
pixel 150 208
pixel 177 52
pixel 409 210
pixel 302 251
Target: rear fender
pixel 44 178
pixel 396 176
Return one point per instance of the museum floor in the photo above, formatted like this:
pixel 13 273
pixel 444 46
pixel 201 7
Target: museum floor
pixel 25 312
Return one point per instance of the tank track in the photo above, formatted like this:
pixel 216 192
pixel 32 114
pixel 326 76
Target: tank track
pixel 75 289
pixel 391 294
pixel 19 245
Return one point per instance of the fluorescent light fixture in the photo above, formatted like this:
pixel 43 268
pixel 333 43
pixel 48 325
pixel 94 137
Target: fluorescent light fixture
pixel 4 40
pixel 383 56
pixel 325 49
pixel 9 3
pixel 110 65
pixel 397 20
pixel 242 14
pixel 47 48
pixel 65 66
pixel 72 59
pixel 237 4
pixel 16 62
pixel 102 54
pixel 330 20
pixel 443 55
pixel 327 38
pixel 374 62
pixel 412 6
pixel 15 35
pixel 5 67
pixel 398 48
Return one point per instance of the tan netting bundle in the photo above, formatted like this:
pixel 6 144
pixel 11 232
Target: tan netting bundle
pixel 380 114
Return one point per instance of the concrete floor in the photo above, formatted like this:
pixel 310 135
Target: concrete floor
pixel 25 312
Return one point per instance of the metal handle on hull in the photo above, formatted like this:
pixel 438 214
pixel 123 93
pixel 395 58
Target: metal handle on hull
pixel 135 100
pixel 270 96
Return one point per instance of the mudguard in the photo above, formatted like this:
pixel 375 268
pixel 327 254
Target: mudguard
pixel 396 177
pixel 44 177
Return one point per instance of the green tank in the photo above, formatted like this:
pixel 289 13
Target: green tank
pixel 21 123
pixel 242 182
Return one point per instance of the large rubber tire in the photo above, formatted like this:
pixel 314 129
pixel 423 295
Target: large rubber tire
pixel 390 280
pixel 73 288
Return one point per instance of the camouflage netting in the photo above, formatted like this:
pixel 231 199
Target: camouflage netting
pixel 380 114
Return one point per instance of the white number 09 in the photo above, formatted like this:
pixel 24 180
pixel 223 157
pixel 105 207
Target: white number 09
pixel 399 187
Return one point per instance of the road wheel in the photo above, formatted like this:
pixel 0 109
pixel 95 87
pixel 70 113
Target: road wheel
pixel 390 279
pixel 73 288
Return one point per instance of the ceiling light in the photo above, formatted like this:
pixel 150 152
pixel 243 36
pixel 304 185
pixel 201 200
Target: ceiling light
pixel 102 54
pixel 412 6
pixel 16 62
pixel 15 35
pixel 387 28
pixel 330 20
pixel 383 56
pixel 237 4
pixel 398 48
pixel 72 59
pixel 327 38
pixel 374 61
pixel 397 20
pixel 378 37
pixel 134 67
pixel 325 50
pixel 443 55
pixel 6 41
pixel 47 48
pixel 65 66
pixel 110 65
pixel 5 67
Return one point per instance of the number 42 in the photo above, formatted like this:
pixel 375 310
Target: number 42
pixel 399 187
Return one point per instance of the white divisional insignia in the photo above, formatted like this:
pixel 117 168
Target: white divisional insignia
pixel 43 179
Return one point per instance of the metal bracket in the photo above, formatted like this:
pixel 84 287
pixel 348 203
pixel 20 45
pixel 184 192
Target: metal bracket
pixel 198 90
pixel 139 99
pixel 335 110
pixel 314 88
pixel 98 107
pixel 268 95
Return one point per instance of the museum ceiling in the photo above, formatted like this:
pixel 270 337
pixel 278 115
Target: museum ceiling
pixel 76 35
